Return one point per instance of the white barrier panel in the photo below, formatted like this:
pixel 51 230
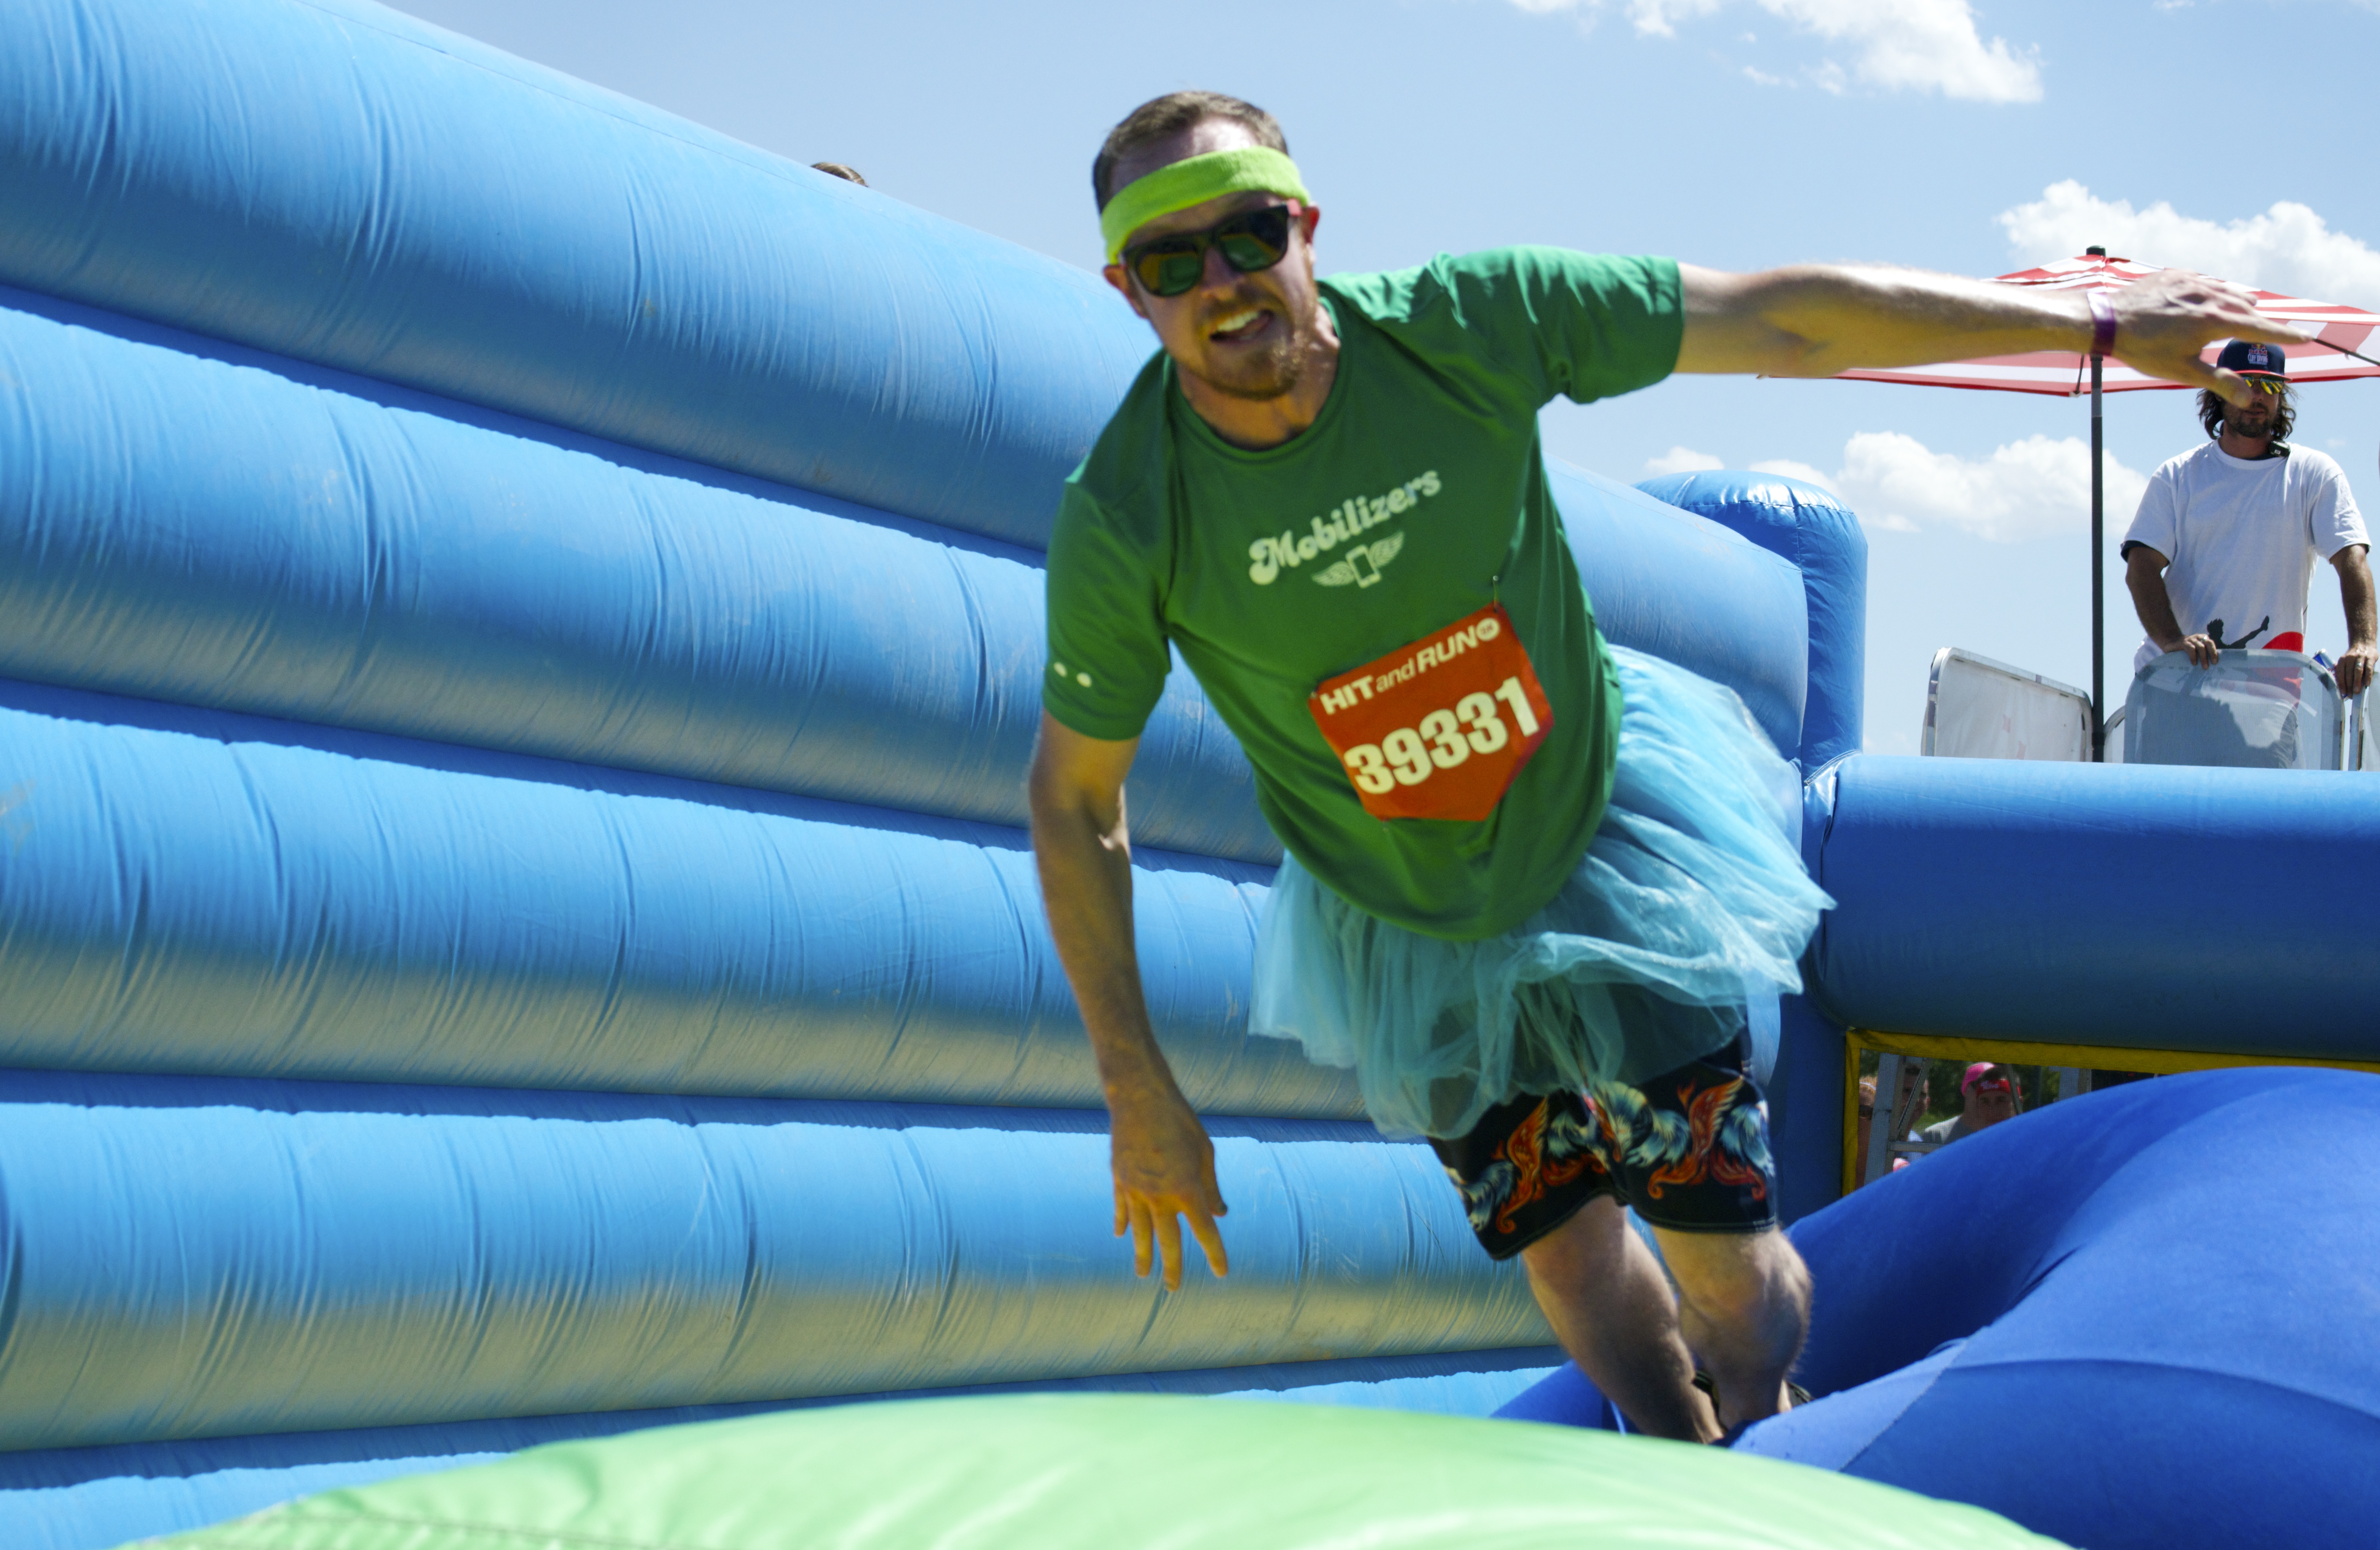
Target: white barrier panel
pixel 1976 708
pixel 2258 710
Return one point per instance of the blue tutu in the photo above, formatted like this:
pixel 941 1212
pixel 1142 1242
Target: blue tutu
pixel 1690 899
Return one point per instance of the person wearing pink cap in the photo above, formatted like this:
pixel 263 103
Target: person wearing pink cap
pixel 1988 1095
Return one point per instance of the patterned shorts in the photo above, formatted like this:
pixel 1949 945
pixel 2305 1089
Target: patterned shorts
pixel 1689 1150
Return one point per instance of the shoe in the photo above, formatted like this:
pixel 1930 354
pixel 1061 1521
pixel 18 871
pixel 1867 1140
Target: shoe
pixel 1794 1392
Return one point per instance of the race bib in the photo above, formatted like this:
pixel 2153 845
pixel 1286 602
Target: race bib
pixel 1439 728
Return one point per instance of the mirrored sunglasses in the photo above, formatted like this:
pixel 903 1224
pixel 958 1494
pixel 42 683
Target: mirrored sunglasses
pixel 1250 241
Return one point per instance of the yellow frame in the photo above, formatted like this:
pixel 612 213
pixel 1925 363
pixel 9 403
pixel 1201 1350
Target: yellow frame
pixel 2012 1052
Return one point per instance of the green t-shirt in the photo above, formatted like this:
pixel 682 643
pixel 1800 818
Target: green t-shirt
pixel 1167 533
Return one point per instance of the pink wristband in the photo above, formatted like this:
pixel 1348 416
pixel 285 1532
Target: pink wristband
pixel 2103 324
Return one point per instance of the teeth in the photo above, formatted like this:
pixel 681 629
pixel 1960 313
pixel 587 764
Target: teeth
pixel 1237 320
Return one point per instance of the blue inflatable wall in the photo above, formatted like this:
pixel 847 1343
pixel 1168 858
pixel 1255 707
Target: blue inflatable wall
pixel 519 639
pixel 340 183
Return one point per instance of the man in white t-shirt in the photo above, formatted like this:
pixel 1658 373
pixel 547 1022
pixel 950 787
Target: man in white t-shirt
pixel 2226 536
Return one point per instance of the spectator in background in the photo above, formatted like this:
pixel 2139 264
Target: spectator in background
pixel 1988 1097
pixel 837 169
pixel 2228 534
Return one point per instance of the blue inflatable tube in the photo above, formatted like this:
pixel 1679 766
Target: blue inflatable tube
pixel 183 521
pixel 339 183
pixel 207 893
pixel 189 1258
pixel 1684 589
pixel 97 1498
pixel 2162 908
pixel 178 522
pixel 1818 534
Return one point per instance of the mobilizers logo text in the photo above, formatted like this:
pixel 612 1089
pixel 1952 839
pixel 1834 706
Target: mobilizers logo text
pixel 1344 524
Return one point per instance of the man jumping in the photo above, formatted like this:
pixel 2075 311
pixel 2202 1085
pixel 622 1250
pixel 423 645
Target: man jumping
pixel 1531 878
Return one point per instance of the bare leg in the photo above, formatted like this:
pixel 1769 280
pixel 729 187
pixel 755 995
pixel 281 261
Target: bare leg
pixel 1612 1310
pixel 1743 1306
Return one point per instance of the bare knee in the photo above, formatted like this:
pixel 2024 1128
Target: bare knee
pixel 1737 1277
pixel 1584 1247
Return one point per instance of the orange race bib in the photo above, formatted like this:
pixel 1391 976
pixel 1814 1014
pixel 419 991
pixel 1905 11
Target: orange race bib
pixel 1439 728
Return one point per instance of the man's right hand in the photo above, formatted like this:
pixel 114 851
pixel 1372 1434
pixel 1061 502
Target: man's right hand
pixel 2203 651
pixel 1164 1167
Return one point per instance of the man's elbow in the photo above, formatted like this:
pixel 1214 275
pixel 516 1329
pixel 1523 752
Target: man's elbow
pixel 1045 788
pixel 1058 796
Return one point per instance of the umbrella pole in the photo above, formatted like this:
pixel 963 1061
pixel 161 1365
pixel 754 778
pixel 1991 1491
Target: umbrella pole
pixel 2098 577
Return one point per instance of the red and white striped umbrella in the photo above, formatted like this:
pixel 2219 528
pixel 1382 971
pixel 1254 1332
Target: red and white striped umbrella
pixel 2067 375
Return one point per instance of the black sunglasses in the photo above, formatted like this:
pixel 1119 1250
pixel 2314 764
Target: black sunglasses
pixel 1250 241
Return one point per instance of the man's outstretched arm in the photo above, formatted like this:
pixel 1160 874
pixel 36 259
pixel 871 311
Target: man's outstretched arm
pixel 2363 620
pixel 1164 1164
pixel 1815 319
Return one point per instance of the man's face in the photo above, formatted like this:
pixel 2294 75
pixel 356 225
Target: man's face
pixel 1245 335
pixel 1990 1100
pixel 2252 420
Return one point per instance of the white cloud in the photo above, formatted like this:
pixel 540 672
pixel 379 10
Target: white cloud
pixel 1789 469
pixel 1899 45
pixel 1920 45
pixel 1659 18
pixel 2027 489
pixel 1680 459
pixel 2033 488
pixel 2288 249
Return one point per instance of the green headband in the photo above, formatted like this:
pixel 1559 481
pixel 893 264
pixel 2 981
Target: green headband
pixel 1195 182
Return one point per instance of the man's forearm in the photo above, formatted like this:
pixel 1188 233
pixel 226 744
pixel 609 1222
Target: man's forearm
pixel 2155 606
pixel 2355 596
pixel 1087 889
pixel 1159 1153
pixel 1815 319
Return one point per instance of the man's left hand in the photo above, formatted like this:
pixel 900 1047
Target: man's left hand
pixel 2163 321
pixel 2354 670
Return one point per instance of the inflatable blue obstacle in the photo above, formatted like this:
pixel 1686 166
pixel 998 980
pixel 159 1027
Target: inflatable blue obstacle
pixel 519 634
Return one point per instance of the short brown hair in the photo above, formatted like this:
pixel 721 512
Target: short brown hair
pixel 1164 118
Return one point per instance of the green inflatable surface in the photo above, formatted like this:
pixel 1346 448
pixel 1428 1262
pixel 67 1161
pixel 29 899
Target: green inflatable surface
pixel 1105 1471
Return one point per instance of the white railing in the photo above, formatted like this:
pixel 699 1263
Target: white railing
pixel 1976 708
pixel 2252 710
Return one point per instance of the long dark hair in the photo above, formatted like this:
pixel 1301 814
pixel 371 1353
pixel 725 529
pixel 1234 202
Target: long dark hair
pixel 2212 406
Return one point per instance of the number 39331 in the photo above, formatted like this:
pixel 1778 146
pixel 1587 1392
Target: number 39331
pixel 1439 727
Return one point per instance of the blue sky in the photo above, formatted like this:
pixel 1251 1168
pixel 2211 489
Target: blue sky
pixel 1738 133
